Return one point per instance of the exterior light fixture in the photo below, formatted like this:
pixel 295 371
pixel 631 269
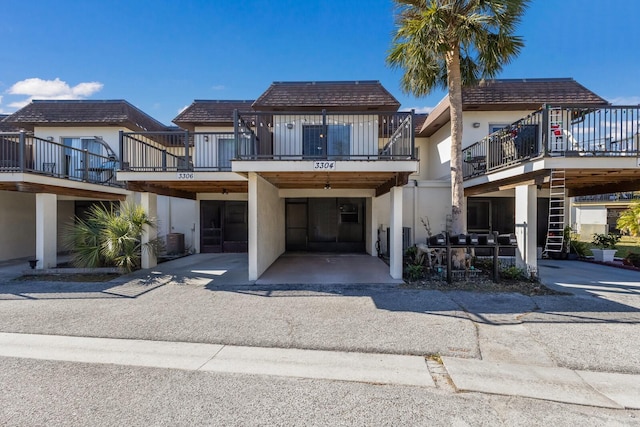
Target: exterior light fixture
pixel 327 186
pixel 289 125
pixel 225 191
pixel 476 125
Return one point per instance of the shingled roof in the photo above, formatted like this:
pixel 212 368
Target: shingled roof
pixel 84 112
pixel 513 94
pixel 343 95
pixel 7 127
pixel 214 112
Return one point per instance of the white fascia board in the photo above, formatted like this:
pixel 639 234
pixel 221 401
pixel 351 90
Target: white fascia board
pixel 61 182
pixel 341 166
pixel 173 176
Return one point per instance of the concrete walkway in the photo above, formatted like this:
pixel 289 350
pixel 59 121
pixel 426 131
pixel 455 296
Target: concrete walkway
pixel 598 389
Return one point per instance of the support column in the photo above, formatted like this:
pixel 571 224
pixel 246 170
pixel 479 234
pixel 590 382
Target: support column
pixel 149 202
pixel 372 226
pixel 46 230
pixel 395 225
pixel 526 227
pixel 253 226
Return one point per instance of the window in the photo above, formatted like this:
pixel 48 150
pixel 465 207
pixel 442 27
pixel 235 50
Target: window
pixel 74 159
pixel 494 127
pixel 226 152
pixel 335 144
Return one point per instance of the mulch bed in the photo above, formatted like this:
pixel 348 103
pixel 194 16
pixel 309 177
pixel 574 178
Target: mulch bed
pixel 484 284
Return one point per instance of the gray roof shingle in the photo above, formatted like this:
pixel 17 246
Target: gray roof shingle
pixel 211 112
pixel 7 127
pixel 513 94
pixel 508 92
pixel 84 112
pixel 343 95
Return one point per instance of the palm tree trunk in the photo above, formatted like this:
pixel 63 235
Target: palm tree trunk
pixel 454 84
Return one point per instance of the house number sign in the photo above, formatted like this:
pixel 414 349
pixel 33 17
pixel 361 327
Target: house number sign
pixel 186 175
pixel 324 165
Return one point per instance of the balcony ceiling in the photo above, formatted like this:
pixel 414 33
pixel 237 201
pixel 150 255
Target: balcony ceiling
pixel 382 182
pixel 578 181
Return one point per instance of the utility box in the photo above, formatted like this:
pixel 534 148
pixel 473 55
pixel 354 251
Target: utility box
pixel 406 239
pixel 175 244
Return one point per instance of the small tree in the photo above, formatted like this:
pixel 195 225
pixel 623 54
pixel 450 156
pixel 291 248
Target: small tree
pixel 109 237
pixel 629 220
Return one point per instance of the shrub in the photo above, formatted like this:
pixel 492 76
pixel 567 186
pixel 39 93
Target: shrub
pixel 605 241
pixel 414 272
pixel 580 248
pixel 632 259
pixel 514 273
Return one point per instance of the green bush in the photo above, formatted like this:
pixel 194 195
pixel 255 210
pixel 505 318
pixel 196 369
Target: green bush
pixel 513 273
pixel 605 241
pixel 632 259
pixel 414 272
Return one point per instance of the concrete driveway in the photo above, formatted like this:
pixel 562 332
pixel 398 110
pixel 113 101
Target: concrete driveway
pixel 206 298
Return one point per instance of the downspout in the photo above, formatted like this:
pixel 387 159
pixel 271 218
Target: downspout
pixel 415 210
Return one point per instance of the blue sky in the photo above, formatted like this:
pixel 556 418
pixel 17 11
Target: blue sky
pixel 161 55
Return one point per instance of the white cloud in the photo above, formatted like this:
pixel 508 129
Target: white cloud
pixel 625 100
pixel 420 110
pixel 36 88
pixel 218 87
pixel 182 109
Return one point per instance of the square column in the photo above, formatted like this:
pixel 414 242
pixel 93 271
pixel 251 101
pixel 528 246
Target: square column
pixel 526 227
pixel 395 225
pixel 253 226
pixel 149 202
pixel 46 230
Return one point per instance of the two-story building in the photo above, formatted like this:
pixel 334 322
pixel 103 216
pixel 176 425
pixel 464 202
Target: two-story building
pixel 320 167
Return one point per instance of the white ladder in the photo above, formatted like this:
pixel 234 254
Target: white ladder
pixel 555 230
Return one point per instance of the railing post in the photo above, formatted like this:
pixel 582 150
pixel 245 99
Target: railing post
pixel 545 129
pixel 22 149
pixel 412 137
pixel 85 171
pixel 121 145
pixel 236 128
pixel 186 150
pixel 164 160
pixel 325 145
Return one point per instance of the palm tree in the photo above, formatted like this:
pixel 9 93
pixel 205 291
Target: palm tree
pixel 451 44
pixel 109 237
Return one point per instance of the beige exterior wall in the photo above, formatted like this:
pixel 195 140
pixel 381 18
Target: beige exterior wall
pixel 177 215
pixel 439 151
pixel 266 225
pixel 66 213
pixel 17 225
pixel 590 220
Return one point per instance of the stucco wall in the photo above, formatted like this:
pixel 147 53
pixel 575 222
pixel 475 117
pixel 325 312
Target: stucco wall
pixel 66 214
pixel 17 225
pixel 439 152
pixel 590 220
pixel 177 215
pixel 266 225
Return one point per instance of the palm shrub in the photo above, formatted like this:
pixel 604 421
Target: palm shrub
pixel 109 237
pixel 629 220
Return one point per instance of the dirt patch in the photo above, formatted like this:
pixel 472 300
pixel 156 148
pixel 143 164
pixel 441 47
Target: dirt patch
pixel 482 284
pixel 68 277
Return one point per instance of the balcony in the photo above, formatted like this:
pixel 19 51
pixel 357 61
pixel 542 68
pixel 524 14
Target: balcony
pixel 273 136
pixel 325 135
pixel 557 131
pixel 624 197
pixel 24 153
